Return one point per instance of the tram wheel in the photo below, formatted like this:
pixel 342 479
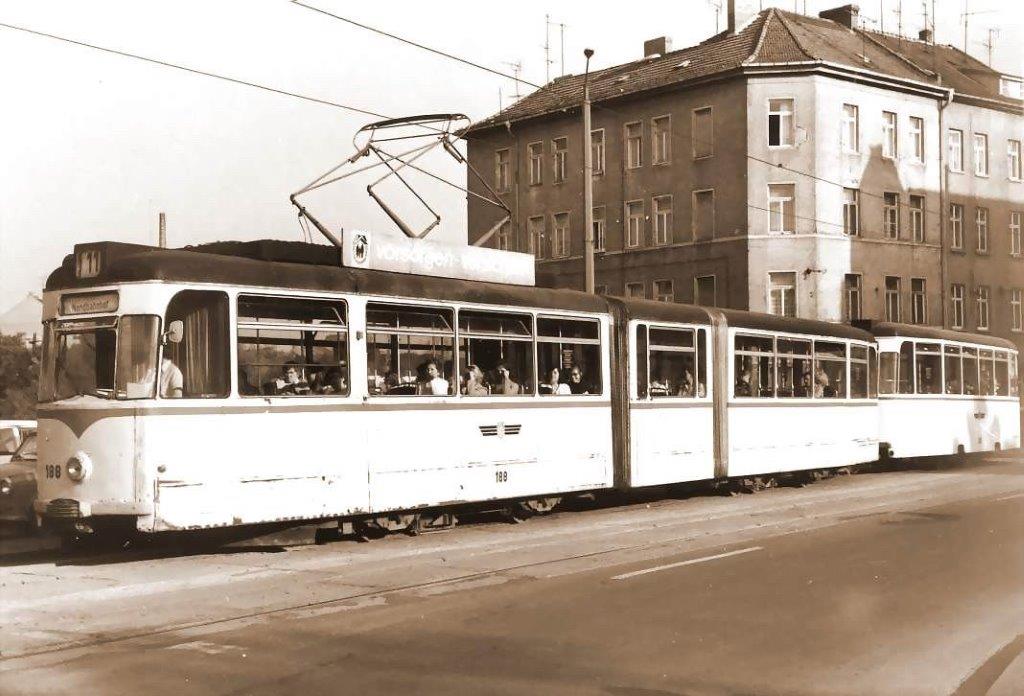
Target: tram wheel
pixel 383 525
pixel 539 506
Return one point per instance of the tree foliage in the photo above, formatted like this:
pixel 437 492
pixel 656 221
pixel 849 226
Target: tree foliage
pixel 19 377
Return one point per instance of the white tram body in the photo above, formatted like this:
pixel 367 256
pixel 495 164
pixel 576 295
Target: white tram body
pixel 946 392
pixel 264 382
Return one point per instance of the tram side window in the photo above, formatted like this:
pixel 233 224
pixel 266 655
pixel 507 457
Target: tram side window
pixel 859 372
pixel 954 381
pixel 673 363
pixel 794 368
pixel 1014 377
pixel 1002 374
pixel 829 370
pixel 928 363
pixel 289 346
pixel 887 369
pixel 987 387
pixel 410 350
pixel 495 353
pixel 642 390
pixel 906 370
pixel 872 373
pixel 970 371
pixel 702 363
pixel 202 355
pixel 755 366
pixel 569 356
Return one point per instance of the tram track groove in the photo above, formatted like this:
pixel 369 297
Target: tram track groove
pixel 10 660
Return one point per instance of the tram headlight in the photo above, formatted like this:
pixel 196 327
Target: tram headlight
pixel 6 486
pixel 78 467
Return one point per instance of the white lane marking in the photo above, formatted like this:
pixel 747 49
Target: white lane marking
pixel 692 561
pixel 206 647
pixel 1010 497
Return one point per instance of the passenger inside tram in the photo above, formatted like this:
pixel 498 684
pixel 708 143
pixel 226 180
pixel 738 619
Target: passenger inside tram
pixel 576 384
pixel 291 382
pixel 245 387
pixel 552 386
pixel 473 382
pixel 430 382
pixel 686 385
pixel 171 380
pixel 503 382
pixel 743 384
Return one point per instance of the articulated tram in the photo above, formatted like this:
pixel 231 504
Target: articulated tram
pixel 253 383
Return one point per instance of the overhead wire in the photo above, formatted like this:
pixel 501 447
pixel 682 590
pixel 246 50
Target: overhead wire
pixel 690 140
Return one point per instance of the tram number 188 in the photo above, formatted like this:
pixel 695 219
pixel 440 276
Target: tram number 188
pixel 500 476
pixel 53 471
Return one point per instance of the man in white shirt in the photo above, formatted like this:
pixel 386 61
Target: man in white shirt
pixel 171 381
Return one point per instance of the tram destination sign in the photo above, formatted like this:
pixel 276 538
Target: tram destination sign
pixel 362 249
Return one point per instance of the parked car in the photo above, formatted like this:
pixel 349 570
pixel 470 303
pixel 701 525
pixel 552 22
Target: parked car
pixel 12 434
pixel 18 484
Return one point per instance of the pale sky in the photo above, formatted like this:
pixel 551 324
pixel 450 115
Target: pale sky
pixel 94 145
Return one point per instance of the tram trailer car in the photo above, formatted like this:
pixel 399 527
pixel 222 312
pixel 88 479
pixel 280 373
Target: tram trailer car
pixel 250 383
pixel 945 392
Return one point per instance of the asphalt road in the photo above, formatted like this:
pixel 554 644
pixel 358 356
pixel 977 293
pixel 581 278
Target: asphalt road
pixel 890 583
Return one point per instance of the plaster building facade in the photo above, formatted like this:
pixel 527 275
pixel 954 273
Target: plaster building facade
pixel 795 165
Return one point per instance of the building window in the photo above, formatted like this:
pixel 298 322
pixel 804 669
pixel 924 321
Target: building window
pixel 981 223
pixel 956 298
pixel 780 122
pixel 851 211
pixel 597 151
pixel 502 170
pixel 600 289
pixel 536 163
pixel 782 293
pixel 663 291
pixel 702 223
pixel 599 229
pixel 917 217
pixel 635 291
pixel 852 297
pixel 917 138
pixel 560 235
pixel 505 237
pixel 781 207
pixel 634 223
pixel 705 292
pixel 535 232
pixel 956 226
pixel 1017 309
pixel 559 150
pixel 661 134
pixel 918 301
pixel 634 145
pixel 891 215
pixel 981 154
pixel 983 296
pixel 851 128
pixel 955 140
pixel 892 298
pixel 1013 159
pixel 662 219
pixel 890 140
pixel 703 133
pixel 1015 241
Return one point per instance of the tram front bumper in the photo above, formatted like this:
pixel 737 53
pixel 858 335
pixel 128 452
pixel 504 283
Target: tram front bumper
pixel 70 509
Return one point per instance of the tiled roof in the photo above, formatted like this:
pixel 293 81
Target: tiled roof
pixel 772 37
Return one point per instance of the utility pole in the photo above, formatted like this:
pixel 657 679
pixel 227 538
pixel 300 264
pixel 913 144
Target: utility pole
pixel 588 183
pixel 162 235
pixel 561 29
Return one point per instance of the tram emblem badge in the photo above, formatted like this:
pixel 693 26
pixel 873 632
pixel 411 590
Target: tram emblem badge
pixel 360 247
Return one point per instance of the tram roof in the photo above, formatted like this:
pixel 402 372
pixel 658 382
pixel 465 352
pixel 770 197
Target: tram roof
pixel 298 266
pixel 891 328
pixel 772 322
pixel 650 310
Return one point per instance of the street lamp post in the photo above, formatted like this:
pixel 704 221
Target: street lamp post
pixel 588 183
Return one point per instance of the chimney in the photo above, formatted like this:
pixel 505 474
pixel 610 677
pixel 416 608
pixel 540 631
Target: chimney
pixel 657 47
pixel 925 35
pixel 845 15
pixel 730 27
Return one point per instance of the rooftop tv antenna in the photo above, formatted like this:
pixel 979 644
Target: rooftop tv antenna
pixel 426 132
pixel 517 72
pixel 990 44
pixel 717 4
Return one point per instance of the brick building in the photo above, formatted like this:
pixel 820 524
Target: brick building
pixel 793 164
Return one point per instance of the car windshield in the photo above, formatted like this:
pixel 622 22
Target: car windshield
pixel 107 358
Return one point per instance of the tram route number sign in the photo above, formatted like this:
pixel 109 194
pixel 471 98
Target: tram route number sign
pixel 362 249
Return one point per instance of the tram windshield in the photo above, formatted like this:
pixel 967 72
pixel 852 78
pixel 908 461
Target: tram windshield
pixel 109 358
